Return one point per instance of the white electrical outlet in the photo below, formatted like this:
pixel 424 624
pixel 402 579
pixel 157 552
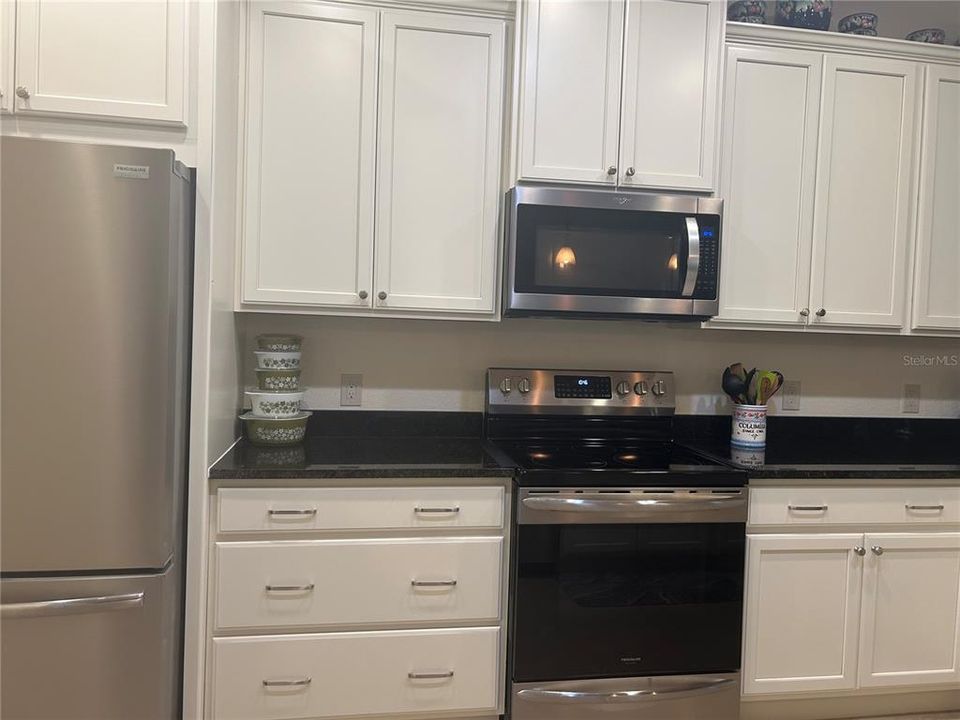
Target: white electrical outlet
pixel 911 398
pixel 351 389
pixel 790 395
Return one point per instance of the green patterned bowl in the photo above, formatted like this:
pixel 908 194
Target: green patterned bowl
pixel 276 342
pixel 277 360
pixel 275 431
pixel 278 380
pixel 275 404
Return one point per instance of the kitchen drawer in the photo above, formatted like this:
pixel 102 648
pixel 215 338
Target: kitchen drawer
pixel 367 673
pixel 354 582
pixel 368 508
pixel 854 506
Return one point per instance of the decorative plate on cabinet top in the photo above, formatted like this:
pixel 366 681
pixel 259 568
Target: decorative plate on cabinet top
pixel 808 14
pixel 748 11
pixel 928 35
pixel 858 24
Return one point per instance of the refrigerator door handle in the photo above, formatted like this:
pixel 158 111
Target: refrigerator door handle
pixel 72 606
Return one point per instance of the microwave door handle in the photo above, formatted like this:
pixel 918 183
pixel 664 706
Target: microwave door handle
pixel 693 257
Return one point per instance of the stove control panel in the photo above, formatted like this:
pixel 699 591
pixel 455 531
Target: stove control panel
pixel 583 392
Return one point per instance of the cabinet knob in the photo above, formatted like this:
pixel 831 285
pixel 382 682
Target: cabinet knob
pixel 631 172
pixel 22 92
pixel 612 170
pixel 821 312
pixel 877 550
pixel 362 294
pixel 860 550
pixel 382 295
pixel 805 312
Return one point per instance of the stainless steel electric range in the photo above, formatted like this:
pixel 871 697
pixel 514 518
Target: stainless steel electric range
pixel 628 551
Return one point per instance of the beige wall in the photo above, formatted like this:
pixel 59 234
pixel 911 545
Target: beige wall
pixel 896 18
pixel 437 365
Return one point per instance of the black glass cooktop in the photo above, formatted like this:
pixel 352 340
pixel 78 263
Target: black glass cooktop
pixel 621 461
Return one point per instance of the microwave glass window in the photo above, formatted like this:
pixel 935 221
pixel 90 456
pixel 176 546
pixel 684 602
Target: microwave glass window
pixel 600 252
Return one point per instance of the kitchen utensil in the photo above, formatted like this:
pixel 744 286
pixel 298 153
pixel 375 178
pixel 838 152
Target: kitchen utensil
pixel 732 384
pixel 276 342
pixel 275 431
pixel 275 404
pixel 751 393
pixel 267 360
pixel 277 380
pixel 768 384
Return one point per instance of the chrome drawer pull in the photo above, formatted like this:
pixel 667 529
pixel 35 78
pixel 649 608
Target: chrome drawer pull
pixel 300 513
pixel 72 606
pixel 807 508
pixel 446 510
pixel 653 689
pixel 302 682
pixel 289 588
pixel 433 583
pixel 442 675
pixel 925 507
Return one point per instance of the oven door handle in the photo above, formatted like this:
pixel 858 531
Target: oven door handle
pixel 693 257
pixel 627 695
pixel 666 503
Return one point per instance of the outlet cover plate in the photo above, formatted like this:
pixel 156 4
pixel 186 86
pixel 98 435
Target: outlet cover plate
pixel 911 398
pixel 790 395
pixel 351 389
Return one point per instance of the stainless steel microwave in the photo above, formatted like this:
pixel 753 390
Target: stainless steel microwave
pixel 610 253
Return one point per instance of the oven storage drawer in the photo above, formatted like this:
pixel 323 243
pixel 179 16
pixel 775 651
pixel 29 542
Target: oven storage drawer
pixel 355 582
pixel 644 698
pixel 382 508
pixel 345 674
pixel 853 506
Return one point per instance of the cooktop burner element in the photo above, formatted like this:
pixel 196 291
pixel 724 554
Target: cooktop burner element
pixel 566 427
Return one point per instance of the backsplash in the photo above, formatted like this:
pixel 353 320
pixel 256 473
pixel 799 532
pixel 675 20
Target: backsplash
pixel 438 365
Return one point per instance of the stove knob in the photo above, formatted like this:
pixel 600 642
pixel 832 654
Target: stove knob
pixel 623 388
pixel 505 386
pixel 640 388
pixel 658 388
pixel 524 385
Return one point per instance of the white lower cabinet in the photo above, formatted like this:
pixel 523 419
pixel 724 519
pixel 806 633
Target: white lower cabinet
pixel 833 611
pixel 910 623
pixel 389 673
pixel 802 611
pixel 337 602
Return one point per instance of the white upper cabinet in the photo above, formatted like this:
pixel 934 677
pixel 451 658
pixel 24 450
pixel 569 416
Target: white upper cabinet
pixel 596 108
pixel 802 608
pixel 124 60
pixel 438 173
pixel 863 198
pixel 570 98
pixel 936 300
pixel 7 44
pixel 309 160
pixel 670 87
pixel 911 610
pixel 772 106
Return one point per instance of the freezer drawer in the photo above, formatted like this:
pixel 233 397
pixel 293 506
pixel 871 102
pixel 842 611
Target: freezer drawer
pixel 106 648
pixel 673 697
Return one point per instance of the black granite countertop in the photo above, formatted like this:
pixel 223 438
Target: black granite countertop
pixel 838 448
pixel 370 445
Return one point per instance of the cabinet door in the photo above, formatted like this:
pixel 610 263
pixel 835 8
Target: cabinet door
pixel 570 95
pixel 113 59
pixel 862 208
pixel 936 304
pixel 671 74
pixel 309 158
pixel 910 627
pixel 7 34
pixel 802 608
pixel 438 168
pixel 772 105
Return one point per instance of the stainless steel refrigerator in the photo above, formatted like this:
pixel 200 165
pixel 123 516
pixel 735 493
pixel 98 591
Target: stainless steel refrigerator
pixel 95 286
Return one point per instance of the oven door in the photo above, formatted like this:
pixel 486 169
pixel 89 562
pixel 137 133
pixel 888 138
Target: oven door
pixel 627 583
pixel 587 251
